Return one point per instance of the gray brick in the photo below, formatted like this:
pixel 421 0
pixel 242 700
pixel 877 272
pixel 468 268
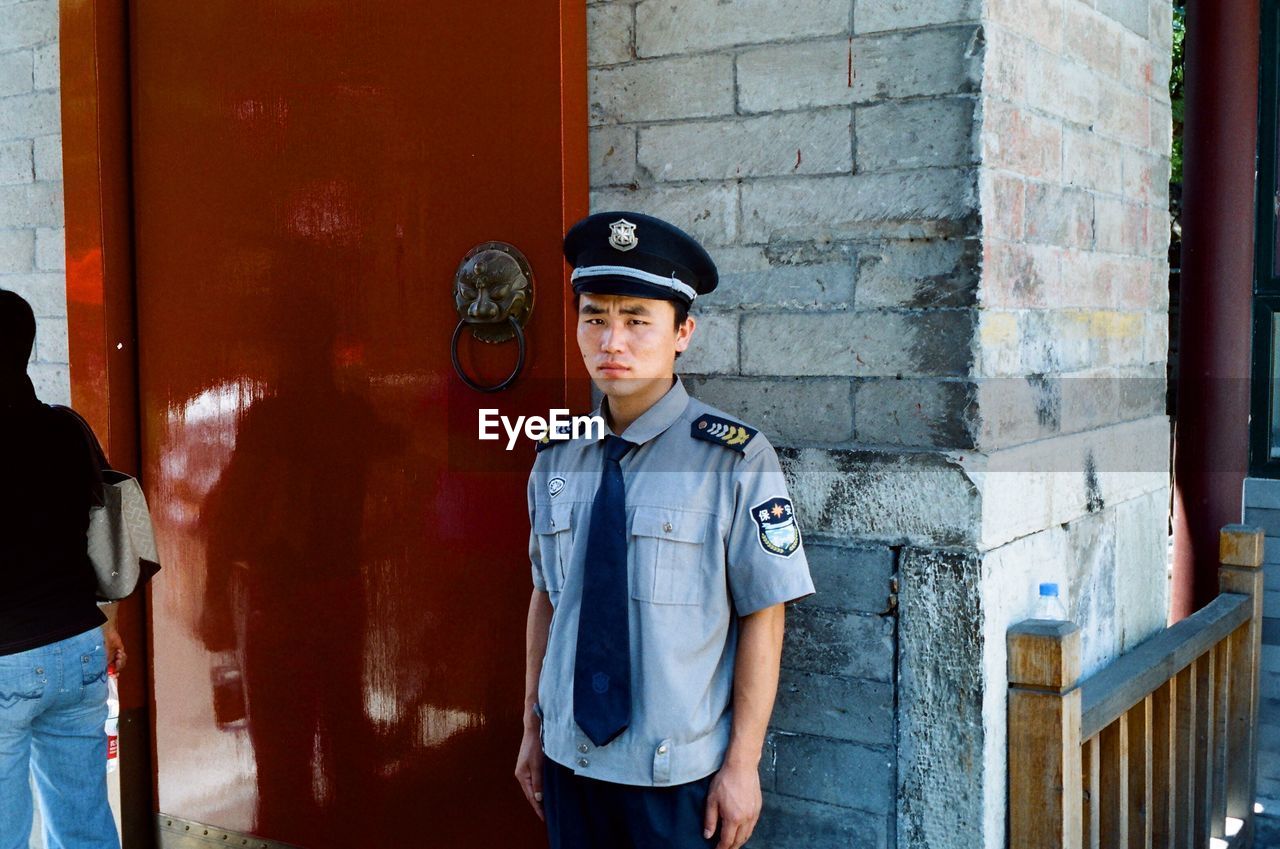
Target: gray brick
pixel 17 252
pixel 857 344
pixel 45 292
pixel 1132 13
pixel 835 772
pixel 1270 558
pixel 31 205
pixel 788 823
pixel 29 25
pixel 662 89
pixel 833 643
pixel 1091 161
pixel 915 134
pixel 839 708
pixel 714 347
pixel 918 497
pixel 774 145
pixel 708 212
pixel 1265 518
pixel 613 156
pixel 1262 492
pixel 47 72
pixel 691 26
pixel 843 207
pixel 51 249
pixel 28 115
pixel 52 382
pixel 941 689
pixel 884 15
pixel 794 276
pixel 836 71
pixel 15 72
pixel 849 578
pixel 48 157
pixel 51 341
pixel 1058 215
pixel 15 163
pixel 787 411
pixel 918 273
pixel 609 34
pixel 923 413
pixel 768 765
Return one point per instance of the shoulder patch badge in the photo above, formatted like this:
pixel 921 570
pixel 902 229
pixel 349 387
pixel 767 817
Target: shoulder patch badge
pixel 776 523
pixel 547 442
pixel 554 486
pixel 722 431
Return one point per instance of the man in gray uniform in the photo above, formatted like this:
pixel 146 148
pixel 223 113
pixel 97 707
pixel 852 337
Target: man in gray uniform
pixel 663 555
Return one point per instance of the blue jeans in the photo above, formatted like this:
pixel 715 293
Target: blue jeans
pixel 53 705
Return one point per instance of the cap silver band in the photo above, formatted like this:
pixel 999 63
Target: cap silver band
pixel 672 282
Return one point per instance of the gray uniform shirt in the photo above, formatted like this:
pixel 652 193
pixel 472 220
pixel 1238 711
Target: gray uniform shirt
pixel 713 537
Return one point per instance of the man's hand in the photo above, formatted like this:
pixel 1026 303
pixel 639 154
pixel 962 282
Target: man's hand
pixel 529 769
pixel 734 801
pixel 114 646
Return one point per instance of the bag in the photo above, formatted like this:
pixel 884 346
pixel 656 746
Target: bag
pixel 122 543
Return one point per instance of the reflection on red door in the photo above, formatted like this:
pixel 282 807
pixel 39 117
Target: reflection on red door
pixel 339 627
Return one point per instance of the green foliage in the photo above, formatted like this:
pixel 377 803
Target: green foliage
pixel 1176 87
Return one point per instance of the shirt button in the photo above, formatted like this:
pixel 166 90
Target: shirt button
pixel 662 750
pixel 39 670
pixel 583 762
pixel 667 527
pixel 584 748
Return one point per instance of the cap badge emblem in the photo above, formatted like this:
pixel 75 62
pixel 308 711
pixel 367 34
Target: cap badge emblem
pixel 622 235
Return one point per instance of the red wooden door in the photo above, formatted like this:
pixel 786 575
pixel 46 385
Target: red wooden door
pixel 307 177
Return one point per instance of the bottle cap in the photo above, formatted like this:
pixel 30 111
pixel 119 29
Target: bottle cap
pixel 1048 590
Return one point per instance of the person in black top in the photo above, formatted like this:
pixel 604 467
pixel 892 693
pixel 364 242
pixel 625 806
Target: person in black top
pixel 55 642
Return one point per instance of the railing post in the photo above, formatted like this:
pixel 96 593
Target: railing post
pixel 1240 571
pixel 1044 735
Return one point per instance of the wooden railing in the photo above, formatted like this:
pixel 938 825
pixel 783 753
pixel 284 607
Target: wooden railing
pixel 1156 750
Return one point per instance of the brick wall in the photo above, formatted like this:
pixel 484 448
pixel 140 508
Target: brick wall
pixel 1068 406
pixel 824 156
pixel 31 224
pixel 941 228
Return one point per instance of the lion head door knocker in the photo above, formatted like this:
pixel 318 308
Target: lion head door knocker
pixel 493 294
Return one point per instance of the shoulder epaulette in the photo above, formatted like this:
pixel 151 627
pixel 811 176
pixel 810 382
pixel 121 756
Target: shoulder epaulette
pixel 547 442
pixel 721 431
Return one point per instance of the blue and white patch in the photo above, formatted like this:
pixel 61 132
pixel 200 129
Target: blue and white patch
pixel 554 486
pixel 776 523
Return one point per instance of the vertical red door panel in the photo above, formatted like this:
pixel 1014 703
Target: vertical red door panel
pixel 345 562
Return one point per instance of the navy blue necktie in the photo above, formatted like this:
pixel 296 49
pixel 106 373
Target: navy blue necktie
pixel 602 667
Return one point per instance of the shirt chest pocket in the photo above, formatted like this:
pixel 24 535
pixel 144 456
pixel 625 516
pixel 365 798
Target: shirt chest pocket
pixel 554 527
pixel 668 545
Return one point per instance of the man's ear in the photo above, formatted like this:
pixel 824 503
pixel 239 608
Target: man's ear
pixel 684 333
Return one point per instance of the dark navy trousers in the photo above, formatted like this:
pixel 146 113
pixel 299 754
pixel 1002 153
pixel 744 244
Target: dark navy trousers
pixel 583 813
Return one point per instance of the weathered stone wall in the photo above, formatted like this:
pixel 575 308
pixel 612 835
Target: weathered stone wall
pixel 824 154
pixel 1067 407
pixel 942 233
pixel 31 224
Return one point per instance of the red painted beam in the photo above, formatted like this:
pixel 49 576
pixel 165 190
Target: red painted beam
pixel 1212 429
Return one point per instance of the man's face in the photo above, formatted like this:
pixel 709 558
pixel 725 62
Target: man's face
pixel 628 342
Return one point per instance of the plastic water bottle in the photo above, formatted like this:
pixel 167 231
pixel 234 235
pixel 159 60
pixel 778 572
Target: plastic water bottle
pixel 113 720
pixel 1049 605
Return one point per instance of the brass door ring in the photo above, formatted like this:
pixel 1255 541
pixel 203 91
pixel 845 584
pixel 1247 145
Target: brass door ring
pixel 517 331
